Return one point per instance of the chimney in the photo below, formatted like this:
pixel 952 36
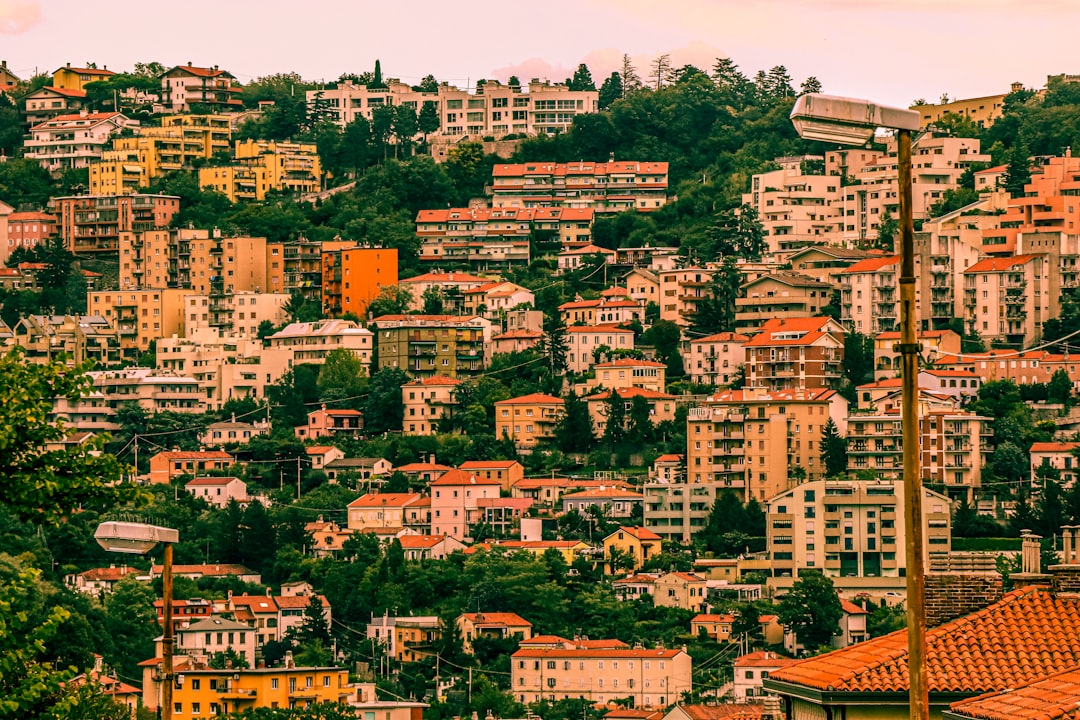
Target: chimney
pixel 958 584
pixel 1066 576
pixel 289 664
pixel 1030 562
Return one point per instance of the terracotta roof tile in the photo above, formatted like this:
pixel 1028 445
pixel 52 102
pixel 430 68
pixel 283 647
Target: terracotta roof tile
pixel 872 264
pixel 1056 697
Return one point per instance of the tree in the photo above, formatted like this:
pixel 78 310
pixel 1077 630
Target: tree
pixel 554 345
pixel 610 90
pixel 661 71
pixel 574 431
pixel 833 450
pixel 428 120
pixel 726 517
pixel 315 626
pixel 1018 172
pixel 405 126
pixel 341 380
pixel 631 83
pixel 391 300
pixel 376 78
pixel 432 300
pixel 615 419
pixel 716 311
pixel 382 126
pixel 642 429
pixel 888 227
pixel 384 410
pixel 812 610
pixel 810 85
pixel 46 486
pixel 428 84
pixel 733 84
pixel 858 363
pixel 582 79
pixel 1059 389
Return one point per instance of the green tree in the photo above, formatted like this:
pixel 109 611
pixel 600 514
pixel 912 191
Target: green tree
pixel 405 127
pixel 582 79
pixel 642 431
pixel 886 619
pixel 1018 172
pixel 833 450
pixel 887 231
pixel 812 610
pixel 716 311
pixel 554 345
pixel 574 431
pixel 342 380
pixel 615 419
pixel 858 363
pixel 735 87
pixel 384 410
pixel 428 120
pixel 1060 389
pixel 610 90
pixel 810 85
pixel 432 300
pixel 391 300
pixel 315 626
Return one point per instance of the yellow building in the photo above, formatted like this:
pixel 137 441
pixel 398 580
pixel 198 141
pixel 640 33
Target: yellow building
pixel 203 693
pixel 638 543
pixel 528 420
pixel 237 182
pixel 141 316
pixel 262 166
pixel 982 111
pixel 76 78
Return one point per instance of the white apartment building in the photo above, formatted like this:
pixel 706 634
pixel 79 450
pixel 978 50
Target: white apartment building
pixel 714 360
pixel 582 340
pixel 238 315
pixel 310 342
pixel 1007 299
pixel 795 207
pixel 73 141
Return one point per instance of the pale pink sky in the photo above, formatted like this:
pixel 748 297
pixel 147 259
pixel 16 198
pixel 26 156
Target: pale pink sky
pixel 892 51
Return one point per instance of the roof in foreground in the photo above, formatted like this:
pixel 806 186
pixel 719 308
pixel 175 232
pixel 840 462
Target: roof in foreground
pixel 1055 697
pixel 1029 634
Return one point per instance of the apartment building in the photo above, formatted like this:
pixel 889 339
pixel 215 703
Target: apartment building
pixel 715 359
pixel 613 503
pixel 224 366
pixel 74 339
pixel 311 342
pixel 427 402
pixel 1062 456
pixel 860 525
pixel 796 206
pixel 427 345
pixel 1007 299
pixel 494 300
pixel 1034 366
pixel 77 78
pixel 68 142
pixel 186 85
pixel 528 420
pixel 604 311
pixel 207 692
pixel 661 406
pixel 824 262
pixel 676 510
pixel 626 373
pixel 954 445
pixel 494 110
pixel 781 294
pixel 262 166
pixel 139 316
pixel 146 388
pixel 180 141
pixel 381 511
pixel 1047 206
pixel 24 230
pixel 752 439
pixel 869 295
pixel 982 111
pixel 937 345
pixel 796 353
pixel 93 223
pixel 236 315
pixel 680 292
pixel 455 502
pixel 352 276
pixel 331 423
pixel 406 638
pixel 650 678
pixel 451 287
pixel 48 102
pixel 604 187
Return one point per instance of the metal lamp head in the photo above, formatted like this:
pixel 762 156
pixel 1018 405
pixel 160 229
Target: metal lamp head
pixel 133 538
pixel 847 121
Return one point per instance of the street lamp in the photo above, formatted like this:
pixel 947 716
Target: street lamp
pixel 849 121
pixel 139 539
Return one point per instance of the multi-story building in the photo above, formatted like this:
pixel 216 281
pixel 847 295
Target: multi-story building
pixel 455 506
pixel 650 678
pixel 450 286
pixel 427 345
pixel 139 316
pixel 262 166
pixel 715 359
pixel 604 187
pixel 625 373
pixel 753 440
pixel 643 286
pixel 578 257
pixel 824 262
pixel 427 402
pixel 45 103
pixel 613 503
pixel 186 85
pixel 681 290
pixel 77 78
pixel 1047 206
pixel 213 635
pixel 138 386
pixel 661 406
pixel 796 353
pixel 982 111
pixel 869 295
pixel 206 692
pixel 495 300
pixel 782 294
pixel 504 625
pixel 218 491
pixel 236 315
pixel 381 511
pixel 1007 299
pixel 585 341
pixel 936 345
pixel 605 311
pixel 67 142
pixel 494 110
pixel 954 446
pixel 75 339
pixel 93 223
pixel 352 276
pixel 8 80
pixel 1062 456
pixel 331 423
pixel 859 525
pixel 310 342
pixel 1023 368
pixel 167 465
pixel 752 669
pixel 26 230
pixel 528 420
pixel 225 367
pixel 796 207
pixel 506 472
pixel 406 638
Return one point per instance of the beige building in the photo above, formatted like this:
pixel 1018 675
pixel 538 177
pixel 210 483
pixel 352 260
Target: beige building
pixel 74 339
pixel 682 590
pixel 139 316
pixel 613 186
pixel 428 402
pixel 639 544
pixel 505 472
pixel 225 367
pixel 218 491
pixel 661 406
pixel 582 341
pixel 311 342
pixel 495 299
pixel 753 439
pixel 380 511
pixel 796 207
pixel 528 420
pixel 496 625
pixel 643 286
pixel 494 110
pixel 629 373
pixel 982 111
pixel 782 294
pixel 1008 299
pixel 680 292
pixel 859 526
pixel 936 345
pixel 676 510
pixel 715 359
pixel 235 315
pixel 954 444
pixel 650 678
pixel 427 345
pixel 1061 456
pixel 869 295
pixel 146 388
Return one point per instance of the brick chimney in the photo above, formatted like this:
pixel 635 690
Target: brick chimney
pixel 958 584
pixel 1066 576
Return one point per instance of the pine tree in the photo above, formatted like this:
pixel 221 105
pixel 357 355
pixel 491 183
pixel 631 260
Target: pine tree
pixel 574 431
pixel 582 79
pixel 833 450
pixel 810 85
pixel 611 90
pixel 376 80
pixel 887 231
pixel 615 424
pixel 661 71
pixel 1018 172
pixel 428 119
pixel 631 83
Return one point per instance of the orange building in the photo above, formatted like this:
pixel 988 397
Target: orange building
pixel 353 277
pixel 1048 205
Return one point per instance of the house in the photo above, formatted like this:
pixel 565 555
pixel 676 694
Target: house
pixel 715 359
pixel 406 638
pixel 231 432
pixel 423 473
pixel 327 537
pixel 585 342
pixel 635 544
pixel 573 259
pixel 99 581
pixel 186 85
pixel 261 613
pixel 650 678
pixel 613 502
pixel 681 590
pixel 218 491
pixel 48 102
pixel 605 311
pixel 216 570
pixel 214 635
pixel 718 627
pixel 796 353
pixel 364 701
pixel 635 587
pixel 427 403
pixel 751 669
pixel 502 514
pixel 518 340
pixel 429 547
pixel 667 468
pixel 185 612
pixel 292 608
pixel 497 625
pixel 852 629
pixel 68 142
pixel 455 507
pixel 360 469
pixel 322 455
pixel 507 472
pixel 528 420
pixel 331 423
pixel 1064 456
pixel 642 286
pixel 630 373
pixel 782 294
pixel 379 510
pixel 170 464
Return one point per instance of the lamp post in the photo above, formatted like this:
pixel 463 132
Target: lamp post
pixel 853 122
pixel 139 539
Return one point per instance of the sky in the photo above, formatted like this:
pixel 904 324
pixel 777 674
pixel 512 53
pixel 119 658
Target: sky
pixel 890 51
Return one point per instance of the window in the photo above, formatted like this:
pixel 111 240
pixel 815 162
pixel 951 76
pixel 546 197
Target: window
pixel 196 708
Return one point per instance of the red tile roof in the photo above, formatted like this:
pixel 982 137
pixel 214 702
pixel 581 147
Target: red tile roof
pixel 872 264
pixel 1056 697
pixel 999 264
pixel 1029 634
pixel 748 711
pixel 1054 446
pixel 194 455
pixel 670 457
pixel 109 574
pixel 452 277
pixel 378 500
pixel 632 392
pixel 319 449
pixel 497 618
pixel 435 380
pixel 763 658
pixel 532 399
pixel 630 362
pixel 210 481
pixel 722 337
pixel 481 464
pixel 638 532
pixel 215 570
pixel 67 92
pixel 617 653
pixel 420 467
pixel 462 477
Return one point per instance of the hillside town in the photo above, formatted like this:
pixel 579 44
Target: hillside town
pixel 516 401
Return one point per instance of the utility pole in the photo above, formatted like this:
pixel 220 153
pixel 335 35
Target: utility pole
pixel 297 477
pixel 136 457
